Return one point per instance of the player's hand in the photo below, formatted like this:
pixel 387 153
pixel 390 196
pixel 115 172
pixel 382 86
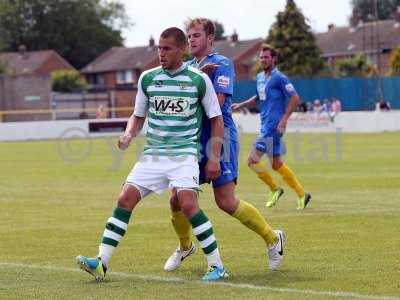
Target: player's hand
pixel 282 125
pixel 213 170
pixel 209 68
pixel 124 141
pixel 235 106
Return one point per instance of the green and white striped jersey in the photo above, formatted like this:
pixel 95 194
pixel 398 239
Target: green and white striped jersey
pixel 174 104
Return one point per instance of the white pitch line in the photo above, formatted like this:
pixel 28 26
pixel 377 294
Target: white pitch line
pixel 339 294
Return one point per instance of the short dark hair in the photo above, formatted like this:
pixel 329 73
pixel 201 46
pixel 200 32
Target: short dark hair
pixel 177 34
pixel 268 47
pixel 208 25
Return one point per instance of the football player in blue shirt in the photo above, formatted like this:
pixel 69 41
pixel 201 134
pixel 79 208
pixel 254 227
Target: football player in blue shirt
pixel 200 33
pixel 274 90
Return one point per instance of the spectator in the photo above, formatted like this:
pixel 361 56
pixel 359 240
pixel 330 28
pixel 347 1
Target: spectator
pixel 336 108
pixel 382 105
pixel 326 107
pixel 302 107
pixel 101 112
pixel 317 107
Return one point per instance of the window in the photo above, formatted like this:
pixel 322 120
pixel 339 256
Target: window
pixel 126 76
pixel 100 80
pixel 96 79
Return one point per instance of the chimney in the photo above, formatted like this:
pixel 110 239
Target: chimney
pixel 234 37
pixel 151 42
pixel 331 26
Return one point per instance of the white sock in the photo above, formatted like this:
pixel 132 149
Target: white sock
pixel 105 253
pixel 214 259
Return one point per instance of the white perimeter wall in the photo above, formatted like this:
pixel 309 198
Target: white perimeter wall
pixel 363 122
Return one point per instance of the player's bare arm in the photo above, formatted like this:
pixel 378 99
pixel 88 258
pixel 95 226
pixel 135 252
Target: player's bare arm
pixel 221 98
pixel 293 102
pixel 252 102
pixel 213 168
pixel 135 124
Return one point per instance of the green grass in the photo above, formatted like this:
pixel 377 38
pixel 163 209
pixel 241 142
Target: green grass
pixel 53 207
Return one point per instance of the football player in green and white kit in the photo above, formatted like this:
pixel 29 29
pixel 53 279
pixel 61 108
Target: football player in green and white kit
pixel 174 97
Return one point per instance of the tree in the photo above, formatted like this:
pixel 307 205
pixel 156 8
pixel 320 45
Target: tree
pixel 299 54
pixel 78 30
pixel 359 66
pixel 68 81
pixel 219 31
pixel 370 10
pixel 3 67
pixel 395 63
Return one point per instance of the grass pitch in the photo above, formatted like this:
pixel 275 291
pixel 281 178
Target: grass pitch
pixel 55 197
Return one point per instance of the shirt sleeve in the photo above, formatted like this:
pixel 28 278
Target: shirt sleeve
pixel 224 77
pixel 210 100
pixel 287 87
pixel 142 101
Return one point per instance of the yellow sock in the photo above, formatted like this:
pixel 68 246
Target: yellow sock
pixel 262 172
pixel 182 228
pixel 290 178
pixel 250 217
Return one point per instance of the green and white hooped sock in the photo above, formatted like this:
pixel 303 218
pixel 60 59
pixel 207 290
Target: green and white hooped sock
pixel 116 227
pixel 203 230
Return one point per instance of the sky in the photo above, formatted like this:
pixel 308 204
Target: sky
pixel 250 18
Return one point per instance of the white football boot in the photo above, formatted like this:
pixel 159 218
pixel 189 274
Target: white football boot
pixel 175 260
pixel 275 252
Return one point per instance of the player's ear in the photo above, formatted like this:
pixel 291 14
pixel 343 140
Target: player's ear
pixel 184 48
pixel 210 38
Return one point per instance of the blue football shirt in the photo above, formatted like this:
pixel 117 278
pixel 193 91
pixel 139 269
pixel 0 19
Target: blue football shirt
pixel 273 93
pixel 223 79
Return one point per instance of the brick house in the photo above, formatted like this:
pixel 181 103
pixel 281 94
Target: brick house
pixel 26 82
pixel 118 69
pixel 375 39
pixel 243 53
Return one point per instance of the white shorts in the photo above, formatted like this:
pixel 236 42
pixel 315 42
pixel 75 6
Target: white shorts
pixel 158 173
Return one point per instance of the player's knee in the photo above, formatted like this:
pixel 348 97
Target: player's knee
pixel 227 206
pixel 250 161
pixel 128 200
pixel 227 202
pixel 276 165
pixel 123 200
pixel 188 204
pixel 188 208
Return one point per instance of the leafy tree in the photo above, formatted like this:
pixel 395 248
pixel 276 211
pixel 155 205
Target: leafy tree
pixel 395 62
pixel 370 10
pixel 299 54
pixel 68 81
pixel 3 67
pixel 219 31
pixel 78 30
pixel 359 66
